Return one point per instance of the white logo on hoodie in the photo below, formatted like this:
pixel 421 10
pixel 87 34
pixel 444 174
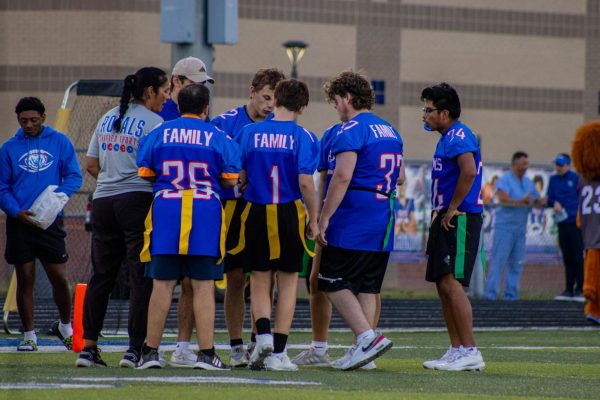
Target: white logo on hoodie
pixel 36 160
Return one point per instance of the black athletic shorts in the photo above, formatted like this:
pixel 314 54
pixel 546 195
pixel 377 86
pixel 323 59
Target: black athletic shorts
pixel 25 243
pixel 454 251
pixel 283 251
pixel 359 271
pixel 235 207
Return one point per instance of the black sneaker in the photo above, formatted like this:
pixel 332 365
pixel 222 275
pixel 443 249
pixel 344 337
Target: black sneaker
pixel 67 341
pixel 213 363
pixel 131 358
pixel 90 357
pixel 150 359
pixel 565 296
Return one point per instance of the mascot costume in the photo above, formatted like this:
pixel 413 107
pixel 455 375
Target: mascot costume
pixel 586 159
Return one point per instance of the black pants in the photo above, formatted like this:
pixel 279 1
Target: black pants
pixel 571 246
pixel 117 239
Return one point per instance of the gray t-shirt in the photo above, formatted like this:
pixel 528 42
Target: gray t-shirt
pixel 117 151
pixel 589 207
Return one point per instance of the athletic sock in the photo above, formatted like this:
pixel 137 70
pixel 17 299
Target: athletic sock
pixel 236 342
pixel 65 330
pixel 182 347
pixel 263 326
pixel 279 342
pixel 30 335
pixel 209 352
pixel 319 347
pixel 366 335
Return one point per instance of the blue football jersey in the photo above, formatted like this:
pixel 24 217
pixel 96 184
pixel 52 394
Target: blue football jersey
pixel 445 171
pixel 362 218
pixel 326 158
pixel 232 122
pixel 188 157
pixel 274 153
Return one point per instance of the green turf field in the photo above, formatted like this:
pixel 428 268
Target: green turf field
pixel 524 364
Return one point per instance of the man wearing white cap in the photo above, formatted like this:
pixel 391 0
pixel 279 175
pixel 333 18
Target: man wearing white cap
pixel 186 71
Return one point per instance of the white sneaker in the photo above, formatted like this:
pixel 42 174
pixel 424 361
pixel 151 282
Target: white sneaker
pixel 463 360
pixel 430 364
pixel 311 358
pixel 263 349
pixel 337 364
pixel 183 359
pixel 279 362
pixel 366 351
pixel 369 366
pixel 237 357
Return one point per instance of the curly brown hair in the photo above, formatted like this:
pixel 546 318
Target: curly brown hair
pixel 267 77
pixel 585 150
pixel 353 83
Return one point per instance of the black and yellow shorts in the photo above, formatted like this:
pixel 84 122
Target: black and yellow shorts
pixel 272 237
pixel 233 209
pixel 454 251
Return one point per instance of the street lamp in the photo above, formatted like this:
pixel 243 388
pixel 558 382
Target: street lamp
pixel 295 50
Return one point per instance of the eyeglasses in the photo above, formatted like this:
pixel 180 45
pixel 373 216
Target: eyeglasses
pixel 427 110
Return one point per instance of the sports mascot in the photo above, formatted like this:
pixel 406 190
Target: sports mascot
pixel 586 158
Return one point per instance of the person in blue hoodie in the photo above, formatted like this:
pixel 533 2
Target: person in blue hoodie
pixel 36 157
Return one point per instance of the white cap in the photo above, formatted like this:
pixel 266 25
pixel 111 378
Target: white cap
pixel 192 68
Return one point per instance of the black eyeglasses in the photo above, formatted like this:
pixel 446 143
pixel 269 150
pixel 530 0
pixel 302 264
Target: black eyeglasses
pixel 427 110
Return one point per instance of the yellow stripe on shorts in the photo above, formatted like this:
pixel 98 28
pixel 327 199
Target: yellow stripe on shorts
pixel 242 242
pixel 273 232
pixel 223 237
pixel 145 253
pixel 302 225
pixel 187 205
pixel 229 209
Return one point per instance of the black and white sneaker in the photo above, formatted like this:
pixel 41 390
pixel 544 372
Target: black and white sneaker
pixel 131 358
pixel 90 357
pixel 150 358
pixel 207 362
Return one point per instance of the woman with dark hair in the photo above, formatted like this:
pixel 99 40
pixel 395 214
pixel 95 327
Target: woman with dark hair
pixel 120 204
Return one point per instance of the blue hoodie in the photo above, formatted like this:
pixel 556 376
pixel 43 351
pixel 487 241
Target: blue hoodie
pixel 29 164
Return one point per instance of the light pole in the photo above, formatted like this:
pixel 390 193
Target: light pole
pixel 295 50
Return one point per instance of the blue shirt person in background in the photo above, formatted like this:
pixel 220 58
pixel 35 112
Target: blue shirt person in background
pixel 185 72
pixel 563 196
pixel 453 243
pixel 36 157
pixel 516 194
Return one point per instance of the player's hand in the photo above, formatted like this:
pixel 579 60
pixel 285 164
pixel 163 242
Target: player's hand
pixel 448 217
pixel 313 230
pixel 323 224
pixel 25 217
pixel 527 199
pixel 557 207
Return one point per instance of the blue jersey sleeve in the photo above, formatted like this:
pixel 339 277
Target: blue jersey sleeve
pixel 350 138
pixel 308 153
pixel 324 148
pixel 145 157
pixel 550 192
pixel 460 141
pixel 242 142
pixel 231 156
